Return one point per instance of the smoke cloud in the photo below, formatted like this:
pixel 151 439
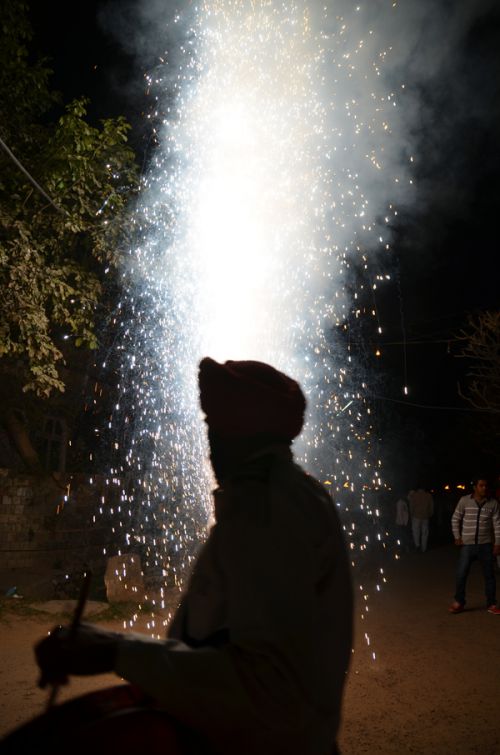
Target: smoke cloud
pixel 290 141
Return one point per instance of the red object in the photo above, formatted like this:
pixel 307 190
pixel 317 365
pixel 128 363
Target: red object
pixel 119 719
pixel 249 398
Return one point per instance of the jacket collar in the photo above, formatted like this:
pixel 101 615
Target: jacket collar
pixel 254 469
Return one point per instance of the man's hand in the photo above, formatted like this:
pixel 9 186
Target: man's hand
pixel 459 541
pixel 496 549
pixel 83 651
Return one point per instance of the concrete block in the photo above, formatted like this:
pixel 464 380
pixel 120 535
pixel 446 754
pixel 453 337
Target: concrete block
pixel 124 579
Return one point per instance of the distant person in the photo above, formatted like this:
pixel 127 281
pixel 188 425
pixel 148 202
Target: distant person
pixel 402 521
pixel 258 650
pixel 474 521
pixel 421 509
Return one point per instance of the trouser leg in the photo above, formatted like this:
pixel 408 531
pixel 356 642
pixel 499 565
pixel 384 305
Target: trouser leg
pixel 488 567
pixel 465 558
pixel 425 534
pixel 415 528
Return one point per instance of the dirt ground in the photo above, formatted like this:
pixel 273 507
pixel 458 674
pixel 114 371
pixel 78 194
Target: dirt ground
pixel 434 686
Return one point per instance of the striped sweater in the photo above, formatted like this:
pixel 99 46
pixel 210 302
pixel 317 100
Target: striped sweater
pixel 476 522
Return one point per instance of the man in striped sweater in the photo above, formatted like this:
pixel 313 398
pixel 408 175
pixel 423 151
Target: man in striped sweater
pixel 476 529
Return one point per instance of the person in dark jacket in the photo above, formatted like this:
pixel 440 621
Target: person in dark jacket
pixel 257 653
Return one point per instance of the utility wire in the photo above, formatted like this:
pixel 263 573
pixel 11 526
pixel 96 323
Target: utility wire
pixel 415 343
pixel 429 406
pixel 29 177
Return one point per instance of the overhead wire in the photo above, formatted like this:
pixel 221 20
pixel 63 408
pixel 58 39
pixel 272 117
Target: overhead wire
pixel 30 178
pixel 431 406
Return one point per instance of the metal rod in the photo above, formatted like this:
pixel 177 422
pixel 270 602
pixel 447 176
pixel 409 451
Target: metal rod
pixel 80 606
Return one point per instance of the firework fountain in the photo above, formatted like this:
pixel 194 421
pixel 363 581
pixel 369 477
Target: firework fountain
pixel 272 178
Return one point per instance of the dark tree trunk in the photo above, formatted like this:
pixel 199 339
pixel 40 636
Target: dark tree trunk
pixel 18 436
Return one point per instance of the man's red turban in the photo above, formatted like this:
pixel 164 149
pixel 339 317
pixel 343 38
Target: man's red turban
pixel 249 398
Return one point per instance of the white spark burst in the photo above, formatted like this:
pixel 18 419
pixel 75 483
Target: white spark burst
pixel 271 171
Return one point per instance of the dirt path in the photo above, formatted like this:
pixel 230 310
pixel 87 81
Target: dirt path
pixel 434 686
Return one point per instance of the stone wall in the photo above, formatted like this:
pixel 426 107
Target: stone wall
pixel 48 523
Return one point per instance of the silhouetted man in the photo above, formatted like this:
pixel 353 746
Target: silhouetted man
pixel 257 654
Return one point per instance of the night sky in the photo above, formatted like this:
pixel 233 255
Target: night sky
pixel 444 263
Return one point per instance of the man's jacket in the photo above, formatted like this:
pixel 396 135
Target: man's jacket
pixel 258 651
pixel 476 523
